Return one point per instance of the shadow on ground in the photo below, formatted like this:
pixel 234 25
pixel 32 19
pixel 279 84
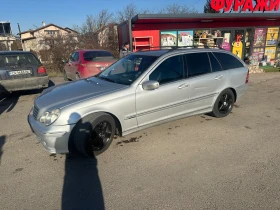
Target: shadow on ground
pixel 8 101
pixel 2 142
pixel 82 188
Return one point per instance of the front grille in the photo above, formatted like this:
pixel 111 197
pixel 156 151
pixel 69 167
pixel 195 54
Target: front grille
pixel 35 112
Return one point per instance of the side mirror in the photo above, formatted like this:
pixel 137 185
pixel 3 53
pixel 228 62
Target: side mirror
pixel 150 85
pixel 65 61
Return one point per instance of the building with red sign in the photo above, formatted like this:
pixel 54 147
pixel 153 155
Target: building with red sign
pixel 244 34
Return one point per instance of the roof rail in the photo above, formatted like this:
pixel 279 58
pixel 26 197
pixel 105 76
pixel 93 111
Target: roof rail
pixel 173 48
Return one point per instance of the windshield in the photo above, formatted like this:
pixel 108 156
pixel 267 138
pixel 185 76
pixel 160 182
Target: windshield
pixel 18 60
pixel 94 55
pixel 128 69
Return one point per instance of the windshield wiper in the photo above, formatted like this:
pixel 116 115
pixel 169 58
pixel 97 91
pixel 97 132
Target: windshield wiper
pixel 107 79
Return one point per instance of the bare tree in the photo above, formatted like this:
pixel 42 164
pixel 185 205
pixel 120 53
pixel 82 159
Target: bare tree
pixel 54 49
pixel 208 8
pixel 126 13
pixel 175 8
pixel 129 12
pixel 3 46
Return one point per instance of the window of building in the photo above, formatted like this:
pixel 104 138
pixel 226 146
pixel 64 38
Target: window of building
pixel 51 32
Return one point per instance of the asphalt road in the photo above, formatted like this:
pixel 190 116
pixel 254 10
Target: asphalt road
pixel 196 163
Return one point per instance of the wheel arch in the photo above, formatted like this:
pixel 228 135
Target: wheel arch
pixel 234 93
pixel 116 119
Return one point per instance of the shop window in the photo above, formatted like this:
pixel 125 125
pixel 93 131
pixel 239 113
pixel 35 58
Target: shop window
pixel 228 61
pixel 248 43
pixel 169 70
pixel 202 38
pixel 198 64
pixel 214 63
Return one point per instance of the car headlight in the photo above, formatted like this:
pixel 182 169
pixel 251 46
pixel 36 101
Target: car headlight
pixel 50 117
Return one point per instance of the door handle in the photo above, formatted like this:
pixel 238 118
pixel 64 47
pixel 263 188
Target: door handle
pixel 219 77
pixel 183 86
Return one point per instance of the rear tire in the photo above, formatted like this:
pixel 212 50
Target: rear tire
pixel 224 104
pixel 94 134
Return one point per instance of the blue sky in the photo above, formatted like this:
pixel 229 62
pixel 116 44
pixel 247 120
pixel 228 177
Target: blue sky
pixel 66 13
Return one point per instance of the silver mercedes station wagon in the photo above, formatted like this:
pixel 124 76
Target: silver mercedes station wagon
pixel 138 91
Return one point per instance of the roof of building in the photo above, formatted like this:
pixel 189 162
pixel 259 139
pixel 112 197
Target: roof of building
pixel 51 24
pixel 204 17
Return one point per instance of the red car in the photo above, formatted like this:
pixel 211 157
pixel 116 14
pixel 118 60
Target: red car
pixel 86 63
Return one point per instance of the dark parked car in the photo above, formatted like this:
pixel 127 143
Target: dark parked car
pixel 86 63
pixel 21 71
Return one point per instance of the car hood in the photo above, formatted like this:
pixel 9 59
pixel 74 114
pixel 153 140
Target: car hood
pixel 69 93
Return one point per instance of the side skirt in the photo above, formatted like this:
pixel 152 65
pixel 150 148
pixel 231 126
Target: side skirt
pixel 203 111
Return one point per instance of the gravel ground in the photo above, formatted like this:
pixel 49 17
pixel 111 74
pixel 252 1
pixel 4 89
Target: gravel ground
pixel 195 163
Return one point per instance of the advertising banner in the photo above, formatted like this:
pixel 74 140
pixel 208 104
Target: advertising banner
pixel 185 38
pixel 259 52
pixel 270 53
pixel 168 38
pixel 272 36
pixel 259 39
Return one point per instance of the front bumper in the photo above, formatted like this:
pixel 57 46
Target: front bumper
pixel 54 138
pixel 24 83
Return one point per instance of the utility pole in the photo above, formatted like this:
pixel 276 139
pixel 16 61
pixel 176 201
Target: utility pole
pixel 19 31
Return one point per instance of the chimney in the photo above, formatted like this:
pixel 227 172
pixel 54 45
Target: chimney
pixel 43 23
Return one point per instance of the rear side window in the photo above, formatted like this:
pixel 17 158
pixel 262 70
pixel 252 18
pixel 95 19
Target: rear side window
pixel 228 61
pixel 198 64
pixel 95 55
pixel 214 63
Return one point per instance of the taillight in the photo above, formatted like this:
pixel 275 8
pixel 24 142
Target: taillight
pixel 247 77
pixel 42 70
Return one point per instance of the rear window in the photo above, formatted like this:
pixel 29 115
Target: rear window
pixel 228 61
pixel 18 60
pixel 96 55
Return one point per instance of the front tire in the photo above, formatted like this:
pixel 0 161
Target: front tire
pixel 224 104
pixel 94 134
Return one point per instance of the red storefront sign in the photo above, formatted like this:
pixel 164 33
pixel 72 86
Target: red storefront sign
pixel 245 5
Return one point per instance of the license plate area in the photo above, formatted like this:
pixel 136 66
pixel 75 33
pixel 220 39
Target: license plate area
pixel 19 72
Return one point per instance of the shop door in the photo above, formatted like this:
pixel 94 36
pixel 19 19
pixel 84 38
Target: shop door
pixel 238 43
pixel 226 34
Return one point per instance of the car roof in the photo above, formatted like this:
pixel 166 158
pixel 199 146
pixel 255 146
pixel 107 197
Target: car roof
pixel 14 52
pixel 87 50
pixel 184 50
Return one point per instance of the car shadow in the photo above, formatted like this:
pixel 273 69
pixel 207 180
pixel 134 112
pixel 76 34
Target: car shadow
pixel 2 142
pixel 8 101
pixel 82 187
